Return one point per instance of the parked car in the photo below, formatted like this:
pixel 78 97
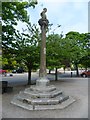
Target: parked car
pixel 3 72
pixel 85 73
pixel 19 70
pixel 14 71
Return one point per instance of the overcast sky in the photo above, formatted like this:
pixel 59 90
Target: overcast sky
pixel 72 15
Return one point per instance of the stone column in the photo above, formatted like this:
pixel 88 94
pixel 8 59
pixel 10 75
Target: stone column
pixel 43 52
pixel 43 24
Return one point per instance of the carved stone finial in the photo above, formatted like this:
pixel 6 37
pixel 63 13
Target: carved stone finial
pixel 43 15
pixel 43 21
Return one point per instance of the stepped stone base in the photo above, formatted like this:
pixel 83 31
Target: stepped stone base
pixel 24 105
pixel 42 97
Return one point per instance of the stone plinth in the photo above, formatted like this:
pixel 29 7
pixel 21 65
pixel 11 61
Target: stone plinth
pixel 42 98
pixel 42 82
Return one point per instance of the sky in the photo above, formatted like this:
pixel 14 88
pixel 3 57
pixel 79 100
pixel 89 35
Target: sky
pixel 72 15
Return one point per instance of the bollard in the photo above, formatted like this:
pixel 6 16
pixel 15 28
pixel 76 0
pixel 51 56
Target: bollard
pixel 71 74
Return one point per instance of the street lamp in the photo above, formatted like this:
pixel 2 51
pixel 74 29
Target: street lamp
pixel 55 28
pixel 61 35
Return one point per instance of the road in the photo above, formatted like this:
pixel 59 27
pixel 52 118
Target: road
pixel 22 78
pixel 18 78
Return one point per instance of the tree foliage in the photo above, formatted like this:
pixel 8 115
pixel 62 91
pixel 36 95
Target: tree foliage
pixel 53 50
pixel 25 48
pixel 69 50
pixel 13 12
pixel 18 47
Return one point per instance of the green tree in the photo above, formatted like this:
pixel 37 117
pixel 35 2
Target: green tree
pixel 12 12
pixel 53 52
pixel 26 48
pixel 8 59
pixel 75 48
pixel 85 61
pixel 62 52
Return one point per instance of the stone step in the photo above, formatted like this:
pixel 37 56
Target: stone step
pixel 36 94
pixel 42 89
pixel 62 105
pixel 63 98
pixel 41 101
pixel 24 97
pixel 21 104
pixel 50 101
pixel 57 106
pixel 45 101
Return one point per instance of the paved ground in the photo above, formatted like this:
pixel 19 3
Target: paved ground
pixel 76 87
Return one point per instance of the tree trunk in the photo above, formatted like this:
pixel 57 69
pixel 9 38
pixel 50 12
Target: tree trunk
pixel 86 68
pixel 64 69
pixel 77 72
pixel 29 76
pixel 56 75
pixel 49 71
